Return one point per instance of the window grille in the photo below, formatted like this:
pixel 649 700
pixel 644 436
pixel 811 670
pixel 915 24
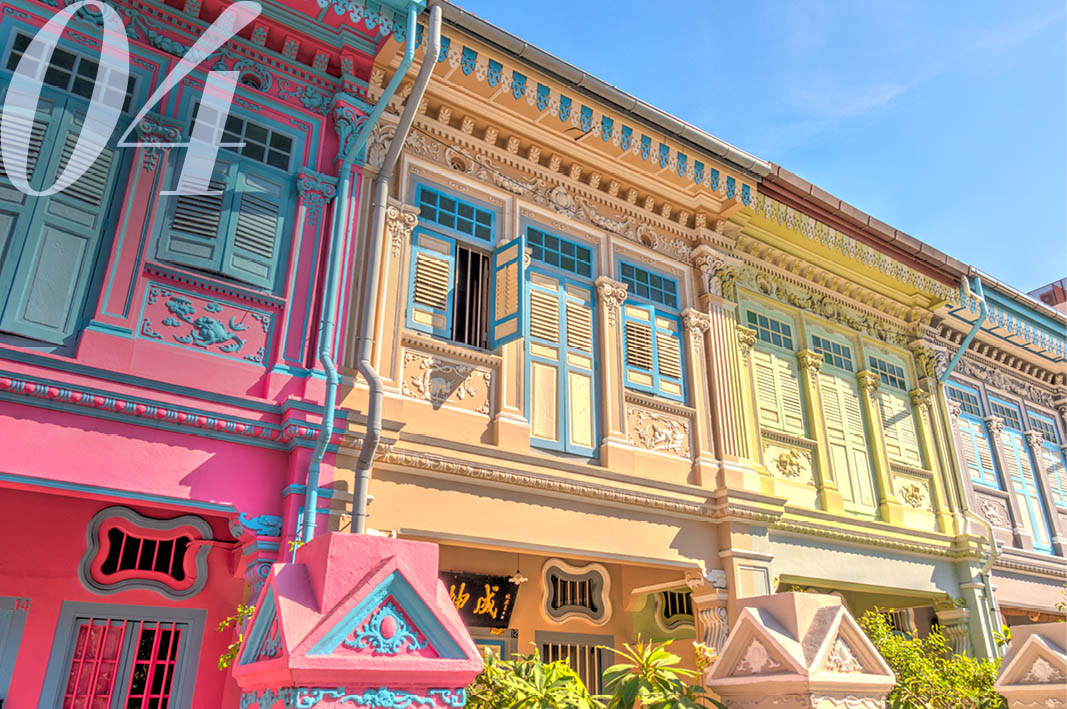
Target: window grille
pixel 832 352
pixel 1009 413
pixel 585 659
pixel 889 373
pixel 573 591
pixel 773 332
pixel 470 307
pixel 569 592
pixel 561 253
pixel 645 284
pixel 675 608
pixel 127 553
pixel 968 401
pixel 453 213
pixel 67 71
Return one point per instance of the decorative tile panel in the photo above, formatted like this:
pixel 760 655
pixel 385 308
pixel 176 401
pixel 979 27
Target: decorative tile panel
pixel 195 322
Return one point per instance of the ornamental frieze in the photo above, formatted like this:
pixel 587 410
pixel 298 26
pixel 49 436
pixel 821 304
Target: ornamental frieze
pixel 659 432
pixel 996 378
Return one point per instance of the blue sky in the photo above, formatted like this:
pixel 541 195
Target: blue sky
pixel 948 120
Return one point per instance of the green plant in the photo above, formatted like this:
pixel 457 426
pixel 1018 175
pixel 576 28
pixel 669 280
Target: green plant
pixel 928 675
pixel 243 615
pixel 525 682
pixel 649 678
pixel 1003 637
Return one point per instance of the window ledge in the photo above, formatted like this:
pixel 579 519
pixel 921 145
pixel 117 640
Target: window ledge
pixel 451 349
pixel 789 438
pixel 652 402
pixel 207 282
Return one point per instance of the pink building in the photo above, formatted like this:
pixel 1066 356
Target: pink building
pixel 160 394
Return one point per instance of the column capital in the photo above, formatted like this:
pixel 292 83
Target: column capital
pixel 1034 439
pixel 316 190
pixel 868 381
pixel 920 399
pixel 695 321
pixel 400 220
pixel 995 424
pixel 153 129
pixel 612 294
pixel 810 362
pixel 746 339
pixel 349 113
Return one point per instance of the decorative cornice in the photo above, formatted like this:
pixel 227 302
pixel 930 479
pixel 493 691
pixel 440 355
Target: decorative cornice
pixel 152 412
pixel 865 539
pixel 1057 571
pixel 830 238
pixel 994 376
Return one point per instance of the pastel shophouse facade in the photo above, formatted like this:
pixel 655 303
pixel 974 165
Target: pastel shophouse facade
pixel 160 396
pixel 632 374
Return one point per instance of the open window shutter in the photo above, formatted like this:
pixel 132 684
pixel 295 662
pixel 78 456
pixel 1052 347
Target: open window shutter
pixel 898 429
pixel 195 227
pixel 547 357
pixel 669 357
pixel 1053 462
pixel 638 346
pixel 433 269
pixel 509 281
pixel 580 383
pixel 61 243
pixel 256 227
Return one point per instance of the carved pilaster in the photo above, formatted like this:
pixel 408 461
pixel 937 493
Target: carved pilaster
pixel 348 119
pixel 1034 439
pixel 868 381
pixel 708 262
pixel 920 399
pixel 955 408
pixel 954 627
pixel 995 424
pixel 316 190
pixel 696 322
pixel 153 130
pixel 810 363
pixel 888 506
pixel 728 276
pixel 746 340
pixel 400 220
pixel 931 360
pixel 612 294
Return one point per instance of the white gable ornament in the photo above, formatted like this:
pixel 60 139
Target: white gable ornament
pixel 1033 672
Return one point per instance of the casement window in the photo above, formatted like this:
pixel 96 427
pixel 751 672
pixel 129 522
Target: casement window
pixel 975 444
pixel 897 416
pixel 652 342
pixel 239 231
pixel 457 290
pixel 49 245
pixel 134 657
pixel 846 434
pixel 1052 458
pixel 774 366
pixel 1019 468
pixel 587 655
pixel 561 363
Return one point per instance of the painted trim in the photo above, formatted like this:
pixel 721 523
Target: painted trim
pixel 20 480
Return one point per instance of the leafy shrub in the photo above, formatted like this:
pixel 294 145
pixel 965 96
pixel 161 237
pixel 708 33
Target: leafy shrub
pixel 649 678
pixel 525 682
pixel 929 676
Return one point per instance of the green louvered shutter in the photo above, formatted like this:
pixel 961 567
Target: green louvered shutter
pixel 847 442
pixel 778 392
pixel 898 428
pixel 256 227
pixel 62 239
pixel 193 224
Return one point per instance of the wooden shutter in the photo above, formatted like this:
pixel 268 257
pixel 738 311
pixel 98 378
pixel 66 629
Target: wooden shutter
pixel 579 370
pixel 1024 487
pixel 977 451
pixel 16 208
pixel 433 269
pixel 898 428
pixel 669 357
pixel 12 624
pixel 778 392
pixel 546 403
pixel 196 225
pixel 1055 469
pixel 256 231
pixel 638 348
pixel 61 240
pixel 847 441
pixel 509 281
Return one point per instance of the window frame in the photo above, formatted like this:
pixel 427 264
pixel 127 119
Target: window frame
pixel 655 310
pixel 753 312
pixel 998 482
pixel 842 344
pixel 495 213
pixel 62 651
pixel 525 228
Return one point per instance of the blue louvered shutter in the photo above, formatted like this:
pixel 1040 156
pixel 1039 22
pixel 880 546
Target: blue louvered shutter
pixel 194 224
pixel 12 623
pixel 509 293
pixel 432 283
pixel 256 225
pixel 669 366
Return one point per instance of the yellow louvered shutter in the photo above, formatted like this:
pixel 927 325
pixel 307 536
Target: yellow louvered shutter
pixel 432 275
pixel 764 367
pixel 898 428
pixel 789 394
pixel 670 357
pixel 544 316
pixel 1052 460
pixel 579 326
pixel 638 342
pixel 847 441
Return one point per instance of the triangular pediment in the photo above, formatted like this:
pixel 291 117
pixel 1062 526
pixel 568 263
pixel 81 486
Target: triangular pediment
pixel 755 649
pixel 1037 662
pixel 391 620
pixel 847 650
pixel 265 632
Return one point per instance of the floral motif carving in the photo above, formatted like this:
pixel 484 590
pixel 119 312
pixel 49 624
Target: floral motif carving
pixel 746 339
pixel 1042 672
pixel 756 660
pixel 437 381
pixel 842 659
pixel 811 363
pixel 920 399
pixel 913 494
pixel 995 424
pixel 868 381
pixel 696 322
pixel 955 408
pixel 708 263
pixel 1034 438
pixel 387 632
pixel 612 294
pixel 316 190
pixel 159 134
pixel 996 378
pixel 657 432
pixel 994 513
pixel 399 223
pixel 931 361
pixel 210 331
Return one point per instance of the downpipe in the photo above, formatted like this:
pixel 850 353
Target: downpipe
pixel 328 318
pixel 370 285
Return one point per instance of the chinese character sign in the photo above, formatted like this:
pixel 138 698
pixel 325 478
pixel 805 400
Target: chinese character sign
pixel 482 601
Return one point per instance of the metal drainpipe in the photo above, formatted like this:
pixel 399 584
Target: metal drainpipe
pixel 328 324
pixel 370 285
pixel 984 573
